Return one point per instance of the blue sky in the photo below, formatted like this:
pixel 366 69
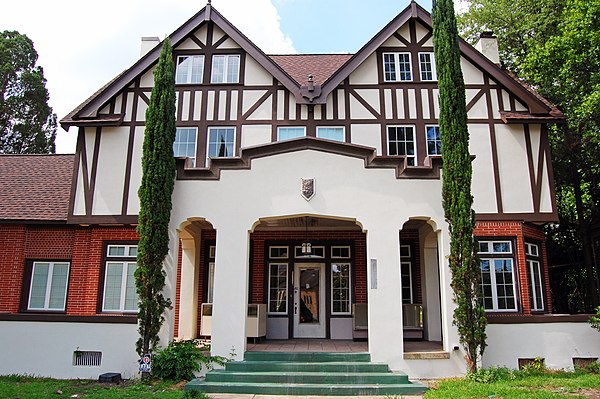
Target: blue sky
pixel 83 44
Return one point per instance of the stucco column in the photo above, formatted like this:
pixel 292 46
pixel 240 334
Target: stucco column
pixel 188 292
pixel 385 295
pixel 230 295
pixel 431 285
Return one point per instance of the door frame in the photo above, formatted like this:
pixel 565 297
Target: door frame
pixel 319 331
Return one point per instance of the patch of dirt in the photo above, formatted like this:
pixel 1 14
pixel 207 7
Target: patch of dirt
pixel 592 393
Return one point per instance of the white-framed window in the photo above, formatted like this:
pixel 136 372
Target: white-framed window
pixel 279 252
pixel 315 252
pixel 401 141
pixel 185 143
pixel 331 133
pixel 190 69
pixel 119 291
pixel 427 67
pixel 290 132
pixel 397 67
pixel 278 288
pixel 340 288
pixel 225 68
pixel 48 288
pixel 221 142
pixel 534 277
pixel 406 274
pixel 498 280
pixel 210 284
pixel 434 140
pixel 342 252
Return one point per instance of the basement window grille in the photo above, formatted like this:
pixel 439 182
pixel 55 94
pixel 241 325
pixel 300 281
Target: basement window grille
pixel 87 358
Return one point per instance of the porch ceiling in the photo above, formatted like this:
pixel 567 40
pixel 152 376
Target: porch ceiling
pixel 303 223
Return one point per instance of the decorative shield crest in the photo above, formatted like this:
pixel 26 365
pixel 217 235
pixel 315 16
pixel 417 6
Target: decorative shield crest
pixel 307 188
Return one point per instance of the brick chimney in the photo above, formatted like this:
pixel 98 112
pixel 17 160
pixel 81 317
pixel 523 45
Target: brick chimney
pixel 488 46
pixel 148 43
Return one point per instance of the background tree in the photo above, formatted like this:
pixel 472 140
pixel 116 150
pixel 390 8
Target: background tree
pixel 469 315
pixel 156 189
pixel 557 51
pixel 27 123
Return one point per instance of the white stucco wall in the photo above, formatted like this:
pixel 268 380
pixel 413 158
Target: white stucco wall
pixel 46 349
pixel 557 343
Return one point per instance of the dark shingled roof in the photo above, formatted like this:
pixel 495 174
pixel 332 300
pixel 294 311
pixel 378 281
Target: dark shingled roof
pixel 321 66
pixel 35 187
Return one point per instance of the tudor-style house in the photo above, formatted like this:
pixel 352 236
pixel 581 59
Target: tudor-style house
pixel 307 205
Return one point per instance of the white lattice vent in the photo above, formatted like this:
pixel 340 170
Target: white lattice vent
pixel 87 358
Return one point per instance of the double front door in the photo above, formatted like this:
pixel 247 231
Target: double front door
pixel 309 300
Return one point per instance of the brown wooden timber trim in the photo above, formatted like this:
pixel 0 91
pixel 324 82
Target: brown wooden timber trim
pixel 494 145
pixel 431 169
pixel 63 318
pixel 103 219
pixel 32 221
pixel 542 318
pixel 526 217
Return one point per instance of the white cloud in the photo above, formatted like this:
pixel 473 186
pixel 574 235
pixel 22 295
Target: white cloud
pixel 82 45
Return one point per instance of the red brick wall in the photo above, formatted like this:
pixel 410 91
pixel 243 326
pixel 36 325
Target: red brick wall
pixel 206 237
pixel 49 242
pixel 520 232
pixel 178 290
pixel 411 237
pixel 12 262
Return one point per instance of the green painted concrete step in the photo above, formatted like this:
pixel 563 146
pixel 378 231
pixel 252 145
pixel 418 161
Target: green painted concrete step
pixel 306 389
pixel 307 377
pixel 325 367
pixel 311 357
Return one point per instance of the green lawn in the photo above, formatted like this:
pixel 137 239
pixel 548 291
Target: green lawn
pixel 557 385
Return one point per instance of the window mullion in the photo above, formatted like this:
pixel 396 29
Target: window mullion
pixel 48 285
pixel 123 285
pixel 494 286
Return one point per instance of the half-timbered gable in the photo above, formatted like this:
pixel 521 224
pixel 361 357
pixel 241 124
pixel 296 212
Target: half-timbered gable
pixel 307 204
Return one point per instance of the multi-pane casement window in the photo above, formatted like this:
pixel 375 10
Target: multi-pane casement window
pixel 434 140
pixel 225 68
pixel 498 279
pixel 427 67
pixel 396 67
pixel 190 69
pixel 221 142
pixel 406 274
pixel 331 133
pixel 210 280
pixel 185 143
pixel 119 292
pixel 401 141
pixel 48 286
pixel 340 280
pixel 290 132
pixel 534 277
pixel 278 280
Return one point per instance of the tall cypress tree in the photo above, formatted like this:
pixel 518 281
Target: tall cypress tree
pixel 469 315
pixel 156 189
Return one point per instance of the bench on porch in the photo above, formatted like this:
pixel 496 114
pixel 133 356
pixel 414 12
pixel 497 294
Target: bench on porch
pixel 412 321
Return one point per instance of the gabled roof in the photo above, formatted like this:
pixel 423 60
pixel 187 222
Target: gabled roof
pixel 35 187
pixel 89 109
pixel 414 11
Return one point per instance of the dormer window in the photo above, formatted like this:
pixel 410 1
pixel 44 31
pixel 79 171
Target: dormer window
pixel 190 69
pixel 396 67
pixel 225 69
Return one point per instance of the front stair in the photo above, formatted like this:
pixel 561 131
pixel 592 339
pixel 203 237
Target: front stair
pixel 306 373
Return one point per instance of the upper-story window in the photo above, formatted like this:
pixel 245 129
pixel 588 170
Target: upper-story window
pixel 331 133
pixel 185 143
pixel 396 67
pixel 290 132
pixel 190 69
pixel 48 287
pixel 401 141
pixel 498 282
pixel 221 142
pixel 427 66
pixel 225 68
pixel 534 277
pixel 434 140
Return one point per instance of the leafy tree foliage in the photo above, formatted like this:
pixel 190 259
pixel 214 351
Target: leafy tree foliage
pixel 156 189
pixel 27 124
pixel 469 315
pixel 555 46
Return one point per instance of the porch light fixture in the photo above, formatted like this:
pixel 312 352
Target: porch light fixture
pixel 306 246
